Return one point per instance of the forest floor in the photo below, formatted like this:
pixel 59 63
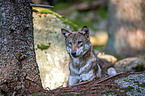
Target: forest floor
pixel 107 86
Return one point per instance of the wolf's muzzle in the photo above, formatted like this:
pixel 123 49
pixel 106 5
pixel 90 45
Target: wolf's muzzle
pixel 73 53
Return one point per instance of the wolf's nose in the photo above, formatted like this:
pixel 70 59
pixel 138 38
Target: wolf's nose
pixel 73 53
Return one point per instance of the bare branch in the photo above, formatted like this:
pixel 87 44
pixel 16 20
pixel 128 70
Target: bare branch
pixel 40 5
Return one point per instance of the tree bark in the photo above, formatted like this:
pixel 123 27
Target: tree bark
pixel 19 74
pixel 126 28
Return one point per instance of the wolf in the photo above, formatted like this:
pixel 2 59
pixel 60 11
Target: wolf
pixel 83 62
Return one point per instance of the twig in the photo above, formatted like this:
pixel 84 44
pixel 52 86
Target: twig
pixel 40 5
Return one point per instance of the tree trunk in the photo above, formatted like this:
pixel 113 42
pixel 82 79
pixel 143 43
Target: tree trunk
pixel 126 28
pixel 19 74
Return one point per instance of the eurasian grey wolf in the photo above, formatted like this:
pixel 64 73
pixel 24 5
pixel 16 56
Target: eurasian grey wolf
pixel 83 62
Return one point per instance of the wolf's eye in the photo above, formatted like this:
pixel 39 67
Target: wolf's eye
pixel 70 43
pixel 80 43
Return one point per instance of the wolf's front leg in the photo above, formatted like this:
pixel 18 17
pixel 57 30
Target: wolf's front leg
pixel 87 76
pixel 73 80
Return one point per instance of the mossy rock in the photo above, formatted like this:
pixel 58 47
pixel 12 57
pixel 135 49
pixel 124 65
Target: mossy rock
pixel 51 54
pixel 130 64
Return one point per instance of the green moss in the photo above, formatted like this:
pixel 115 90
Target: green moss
pixel 130 88
pixel 66 21
pixel 40 16
pixel 132 79
pixel 107 93
pixel 138 90
pixel 141 85
pixel 43 47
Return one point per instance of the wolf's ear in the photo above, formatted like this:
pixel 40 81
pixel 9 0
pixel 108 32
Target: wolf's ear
pixel 65 32
pixel 85 31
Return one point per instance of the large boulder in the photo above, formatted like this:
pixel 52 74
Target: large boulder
pixel 130 64
pixel 51 55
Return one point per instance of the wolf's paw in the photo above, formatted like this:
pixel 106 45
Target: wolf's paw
pixel 81 81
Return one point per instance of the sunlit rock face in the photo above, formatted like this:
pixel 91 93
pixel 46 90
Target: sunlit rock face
pixel 51 54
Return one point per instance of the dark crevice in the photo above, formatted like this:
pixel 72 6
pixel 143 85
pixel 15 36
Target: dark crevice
pixel 11 31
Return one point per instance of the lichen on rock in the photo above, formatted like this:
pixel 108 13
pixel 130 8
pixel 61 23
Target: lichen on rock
pixel 134 84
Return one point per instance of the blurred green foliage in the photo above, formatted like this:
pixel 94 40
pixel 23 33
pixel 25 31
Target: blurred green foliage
pixel 103 12
pixel 60 6
pixel 99 47
pixel 81 23
pixel 64 4
pixel 84 19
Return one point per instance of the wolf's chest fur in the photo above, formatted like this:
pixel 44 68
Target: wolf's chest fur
pixel 82 63
pixel 78 65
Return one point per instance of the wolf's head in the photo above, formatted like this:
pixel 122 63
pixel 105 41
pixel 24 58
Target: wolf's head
pixel 77 43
